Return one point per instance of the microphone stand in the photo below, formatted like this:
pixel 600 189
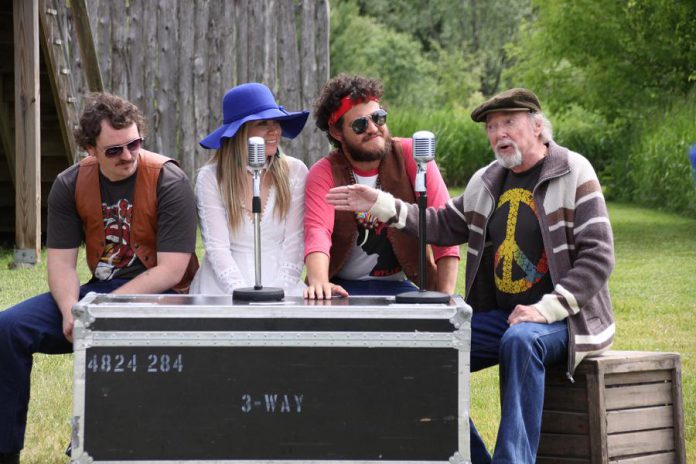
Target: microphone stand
pixel 258 292
pixel 422 295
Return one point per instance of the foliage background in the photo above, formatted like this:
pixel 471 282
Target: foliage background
pixel 617 79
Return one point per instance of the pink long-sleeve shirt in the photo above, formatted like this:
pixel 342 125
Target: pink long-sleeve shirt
pixel 319 215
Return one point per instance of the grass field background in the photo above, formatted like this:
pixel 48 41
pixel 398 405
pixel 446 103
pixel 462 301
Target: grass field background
pixel 653 291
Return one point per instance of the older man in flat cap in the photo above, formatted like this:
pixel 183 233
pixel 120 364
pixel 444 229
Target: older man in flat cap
pixel 540 251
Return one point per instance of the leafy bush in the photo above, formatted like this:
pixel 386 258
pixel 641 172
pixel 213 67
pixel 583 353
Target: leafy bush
pixel 361 45
pixel 462 146
pixel 613 57
pixel 589 134
pixel 659 170
pixel 428 73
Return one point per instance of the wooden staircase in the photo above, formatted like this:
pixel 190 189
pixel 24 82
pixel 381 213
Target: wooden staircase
pixel 67 70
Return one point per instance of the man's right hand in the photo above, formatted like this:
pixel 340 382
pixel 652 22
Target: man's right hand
pixel 64 283
pixel 354 197
pixel 68 324
pixel 324 291
pixel 320 288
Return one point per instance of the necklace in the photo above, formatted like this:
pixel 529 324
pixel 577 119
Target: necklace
pixel 364 218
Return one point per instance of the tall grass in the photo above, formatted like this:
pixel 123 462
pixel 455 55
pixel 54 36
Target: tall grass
pixel 592 136
pixel 643 161
pixel 659 170
pixel 462 146
pixel 652 288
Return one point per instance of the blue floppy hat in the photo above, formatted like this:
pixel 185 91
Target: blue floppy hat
pixel 253 102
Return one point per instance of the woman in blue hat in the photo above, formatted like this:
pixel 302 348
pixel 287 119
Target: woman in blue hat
pixel 224 197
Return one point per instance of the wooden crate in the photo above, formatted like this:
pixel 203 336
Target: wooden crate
pixel 624 407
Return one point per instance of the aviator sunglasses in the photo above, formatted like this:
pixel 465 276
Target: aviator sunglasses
pixel 133 145
pixel 359 125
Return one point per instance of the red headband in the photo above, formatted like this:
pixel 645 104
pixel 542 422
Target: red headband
pixel 346 104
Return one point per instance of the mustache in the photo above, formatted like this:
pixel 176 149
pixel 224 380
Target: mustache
pixel 510 161
pixel 381 132
pixel 505 142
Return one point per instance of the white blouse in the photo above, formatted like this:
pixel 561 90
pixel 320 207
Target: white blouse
pixel 229 255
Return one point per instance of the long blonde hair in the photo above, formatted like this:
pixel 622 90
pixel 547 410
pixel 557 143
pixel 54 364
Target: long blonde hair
pixel 231 159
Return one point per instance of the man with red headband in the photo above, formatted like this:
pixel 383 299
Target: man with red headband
pixel 354 253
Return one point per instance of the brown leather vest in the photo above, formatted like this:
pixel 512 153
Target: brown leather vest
pixel 394 179
pixel 144 221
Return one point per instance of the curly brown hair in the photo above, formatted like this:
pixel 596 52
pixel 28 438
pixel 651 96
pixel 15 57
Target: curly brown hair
pixel 358 87
pixel 99 106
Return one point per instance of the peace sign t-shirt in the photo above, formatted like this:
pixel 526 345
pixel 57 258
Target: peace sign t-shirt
pixel 519 262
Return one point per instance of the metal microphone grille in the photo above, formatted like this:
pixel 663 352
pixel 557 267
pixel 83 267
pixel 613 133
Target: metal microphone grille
pixel 423 146
pixel 257 152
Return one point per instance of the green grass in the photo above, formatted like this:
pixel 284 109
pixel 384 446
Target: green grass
pixel 653 291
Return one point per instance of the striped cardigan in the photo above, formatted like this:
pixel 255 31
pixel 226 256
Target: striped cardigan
pixel 575 230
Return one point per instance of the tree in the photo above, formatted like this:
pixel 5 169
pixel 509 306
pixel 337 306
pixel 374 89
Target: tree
pixel 361 45
pixel 611 57
pixel 474 33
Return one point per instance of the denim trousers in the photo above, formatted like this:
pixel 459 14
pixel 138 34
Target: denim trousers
pixel 32 326
pixel 375 286
pixel 522 351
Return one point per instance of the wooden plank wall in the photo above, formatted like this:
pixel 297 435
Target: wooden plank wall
pixel 27 136
pixel 176 58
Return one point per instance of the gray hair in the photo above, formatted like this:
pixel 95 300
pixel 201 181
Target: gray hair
pixel 546 129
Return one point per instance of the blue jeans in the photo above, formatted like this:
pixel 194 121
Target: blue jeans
pixel 523 352
pixel 32 326
pixel 375 286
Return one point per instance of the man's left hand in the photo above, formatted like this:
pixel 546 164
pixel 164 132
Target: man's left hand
pixel 523 313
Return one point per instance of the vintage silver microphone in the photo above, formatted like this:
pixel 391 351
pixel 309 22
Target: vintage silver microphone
pixel 423 152
pixel 257 160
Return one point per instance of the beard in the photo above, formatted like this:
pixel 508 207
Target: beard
pixel 509 161
pixel 357 153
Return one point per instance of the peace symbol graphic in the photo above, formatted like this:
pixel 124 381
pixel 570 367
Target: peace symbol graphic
pixel 509 251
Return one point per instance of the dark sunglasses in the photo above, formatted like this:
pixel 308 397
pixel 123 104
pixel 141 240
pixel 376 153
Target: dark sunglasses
pixel 133 145
pixel 359 125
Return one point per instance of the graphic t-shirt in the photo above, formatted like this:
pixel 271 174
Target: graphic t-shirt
pixel 118 259
pixel 372 257
pixel 520 263
pixel 176 219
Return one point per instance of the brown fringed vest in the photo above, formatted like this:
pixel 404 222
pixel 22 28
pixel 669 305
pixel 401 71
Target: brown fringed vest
pixel 144 222
pixel 394 179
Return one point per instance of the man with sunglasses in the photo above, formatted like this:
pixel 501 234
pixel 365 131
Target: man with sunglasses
pixel 135 212
pixel 353 253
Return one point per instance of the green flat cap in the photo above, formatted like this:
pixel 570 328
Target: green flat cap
pixel 517 99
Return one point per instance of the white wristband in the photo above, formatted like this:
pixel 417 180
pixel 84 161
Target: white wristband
pixel 385 206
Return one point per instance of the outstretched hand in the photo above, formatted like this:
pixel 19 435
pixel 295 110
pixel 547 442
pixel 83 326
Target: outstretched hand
pixel 354 197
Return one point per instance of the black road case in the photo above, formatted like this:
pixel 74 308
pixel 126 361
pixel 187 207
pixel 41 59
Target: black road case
pixel 183 379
